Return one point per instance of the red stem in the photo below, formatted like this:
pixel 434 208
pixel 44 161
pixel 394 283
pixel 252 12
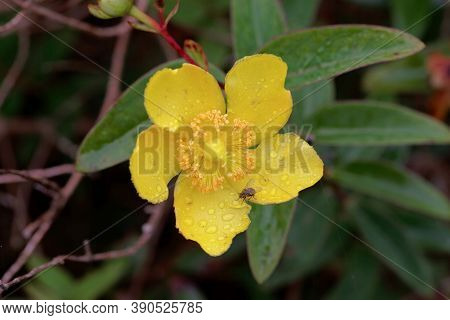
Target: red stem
pixel 171 41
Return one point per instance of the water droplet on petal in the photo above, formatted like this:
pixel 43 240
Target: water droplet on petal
pixel 227 217
pixel 211 229
pixel 221 205
pixel 159 188
pixel 188 221
pixel 202 223
pixel 211 211
pixel 237 204
pixel 188 200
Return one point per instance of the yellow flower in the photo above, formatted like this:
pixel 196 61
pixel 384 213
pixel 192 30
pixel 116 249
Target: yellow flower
pixel 221 149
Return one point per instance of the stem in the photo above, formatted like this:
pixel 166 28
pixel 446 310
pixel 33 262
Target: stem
pixel 171 41
pixel 162 30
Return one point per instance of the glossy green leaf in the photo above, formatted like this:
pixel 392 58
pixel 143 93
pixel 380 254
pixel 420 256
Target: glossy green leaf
pixel 254 22
pixel 313 239
pixel 300 13
pixel 112 140
pixel 393 184
pixel 321 53
pixel 411 16
pixel 375 123
pixel 97 282
pixel 266 236
pixel 393 247
pixel 361 276
pixel 308 100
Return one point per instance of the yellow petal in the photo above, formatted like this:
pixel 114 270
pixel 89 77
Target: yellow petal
pixel 212 219
pixel 255 92
pixel 173 97
pixel 285 165
pixel 153 163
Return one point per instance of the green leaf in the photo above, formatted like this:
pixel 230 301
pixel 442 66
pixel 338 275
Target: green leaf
pixel 266 237
pixel 112 140
pixel 393 184
pixel 361 277
pixel 396 77
pixel 411 17
pixel 321 53
pixel 39 292
pixel 254 23
pixel 405 76
pixel 196 52
pixel 375 123
pixel 55 280
pixel 313 239
pixel 430 234
pixel 393 247
pixel 97 282
pixel 300 13
pixel 309 100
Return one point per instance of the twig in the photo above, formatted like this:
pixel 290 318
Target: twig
pixel 87 248
pixel 74 23
pixel 15 22
pixel 17 66
pixel 48 185
pixel 26 126
pixel 117 63
pixel 7 200
pixel 46 220
pixel 51 213
pixel 20 217
pixel 147 233
pixel 12 24
pixel 13 176
pixel 138 280
pixel 66 147
pixel 28 231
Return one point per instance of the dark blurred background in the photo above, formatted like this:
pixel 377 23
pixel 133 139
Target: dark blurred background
pixel 55 101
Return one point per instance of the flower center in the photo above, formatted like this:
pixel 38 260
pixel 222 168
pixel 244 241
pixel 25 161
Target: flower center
pixel 217 148
pixel 214 150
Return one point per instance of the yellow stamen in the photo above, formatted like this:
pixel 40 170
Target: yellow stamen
pixel 214 152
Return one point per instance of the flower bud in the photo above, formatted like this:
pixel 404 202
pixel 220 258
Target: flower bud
pixel 115 8
pixel 97 12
